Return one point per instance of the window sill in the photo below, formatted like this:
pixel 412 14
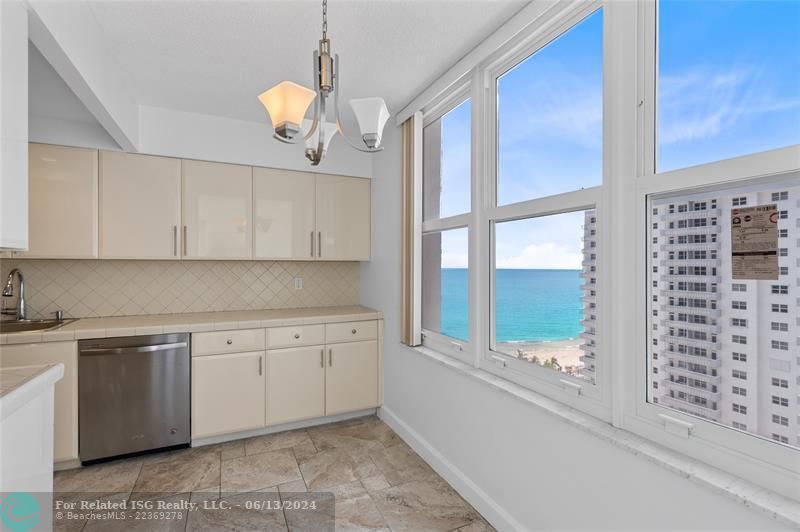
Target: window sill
pixel 781 509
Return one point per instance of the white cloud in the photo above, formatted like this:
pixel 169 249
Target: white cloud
pixel 543 256
pixel 702 103
pixel 454 260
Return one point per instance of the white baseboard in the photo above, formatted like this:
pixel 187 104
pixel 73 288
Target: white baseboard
pixel 210 440
pixel 497 516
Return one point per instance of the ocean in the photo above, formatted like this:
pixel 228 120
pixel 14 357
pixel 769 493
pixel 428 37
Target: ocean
pixel 532 305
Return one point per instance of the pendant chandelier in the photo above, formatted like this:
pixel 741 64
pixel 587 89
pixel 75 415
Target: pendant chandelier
pixel 287 104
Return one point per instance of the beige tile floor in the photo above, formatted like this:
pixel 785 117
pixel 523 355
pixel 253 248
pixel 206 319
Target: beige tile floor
pixel 377 481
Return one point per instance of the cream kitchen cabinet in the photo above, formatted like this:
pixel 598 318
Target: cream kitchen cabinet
pixel 228 393
pixel 343 218
pixel 351 378
pixel 296 384
pixel 217 210
pixel 65 440
pixel 62 202
pixel 140 205
pixel 283 214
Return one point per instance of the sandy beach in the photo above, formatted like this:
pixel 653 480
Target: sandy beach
pixel 566 352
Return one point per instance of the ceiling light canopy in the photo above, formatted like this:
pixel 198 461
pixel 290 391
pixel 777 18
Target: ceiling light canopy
pixel 287 104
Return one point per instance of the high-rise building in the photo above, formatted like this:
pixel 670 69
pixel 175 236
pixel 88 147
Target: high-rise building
pixel 724 349
pixel 589 288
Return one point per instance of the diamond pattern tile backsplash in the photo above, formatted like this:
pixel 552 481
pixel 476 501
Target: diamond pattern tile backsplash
pixel 93 288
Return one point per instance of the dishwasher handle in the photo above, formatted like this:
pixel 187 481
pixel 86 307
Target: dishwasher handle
pixel 126 350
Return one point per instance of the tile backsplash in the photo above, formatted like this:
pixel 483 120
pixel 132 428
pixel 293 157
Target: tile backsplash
pixel 94 288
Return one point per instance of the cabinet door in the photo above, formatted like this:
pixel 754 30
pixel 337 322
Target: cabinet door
pixel 228 393
pixel 65 432
pixel 62 196
pixel 296 387
pixel 351 378
pixel 140 204
pixel 217 210
pixel 283 216
pixel 343 218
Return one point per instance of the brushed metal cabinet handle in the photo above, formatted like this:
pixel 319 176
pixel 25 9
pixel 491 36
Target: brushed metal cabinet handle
pixel 330 356
pixel 175 240
pixel 312 243
pixel 184 241
pixel 319 244
pixel 322 358
pixel 354 331
pixel 260 366
pixel 296 336
pixel 229 341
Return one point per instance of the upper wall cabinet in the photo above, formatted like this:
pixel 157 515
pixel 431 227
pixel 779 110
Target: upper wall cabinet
pixel 343 218
pixel 140 205
pixel 217 210
pixel 62 199
pixel 283 218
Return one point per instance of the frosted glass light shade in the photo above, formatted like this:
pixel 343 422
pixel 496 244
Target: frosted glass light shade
pixel 372 115
pixel 287 103
pixel 313 142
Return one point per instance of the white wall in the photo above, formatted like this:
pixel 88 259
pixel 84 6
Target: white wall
pixel 57 116
pixel 533 468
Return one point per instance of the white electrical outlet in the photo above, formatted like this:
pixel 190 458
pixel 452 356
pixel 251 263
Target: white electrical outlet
pixel 298 283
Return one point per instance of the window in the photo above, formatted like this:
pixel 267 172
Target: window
pixel 780 196
pixel 779 438
pixel 550 117
pixel 444 283
pixel 780 420
pixel 777 326
pixel 529 262
pixel 446 164
pixel 783 346
pixel 545 304
pixel 783 252
pixel 446 185
pixel 718 83
pixel 780 289
pixel 780 383
pixel 739 409
pixel 780 401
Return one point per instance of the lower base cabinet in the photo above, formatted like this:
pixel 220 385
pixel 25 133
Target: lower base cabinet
pixel 65 433
pixel 351 378
pixel 228 393
pixel 296 384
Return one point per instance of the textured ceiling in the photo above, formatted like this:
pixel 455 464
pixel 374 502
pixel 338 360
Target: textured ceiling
pixel 216 57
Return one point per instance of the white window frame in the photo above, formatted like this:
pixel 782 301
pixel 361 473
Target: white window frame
pixel 750 456
pixel 455 347
pixel 576 392
pixel 624 221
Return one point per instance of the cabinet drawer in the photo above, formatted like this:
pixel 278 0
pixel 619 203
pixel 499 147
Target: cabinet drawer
pixel 351 331
pixel 295 336
pixel 210 343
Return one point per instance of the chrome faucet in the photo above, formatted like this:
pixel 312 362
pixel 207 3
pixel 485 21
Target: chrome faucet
pixel 8 291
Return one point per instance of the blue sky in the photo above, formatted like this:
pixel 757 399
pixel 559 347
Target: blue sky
pixel 729 84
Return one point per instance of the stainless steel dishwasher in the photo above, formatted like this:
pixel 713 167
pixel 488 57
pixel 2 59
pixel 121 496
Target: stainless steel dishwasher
pixel 133 394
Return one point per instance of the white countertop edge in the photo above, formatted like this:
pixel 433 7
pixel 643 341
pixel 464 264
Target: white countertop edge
pixel 73 331
pixel 18 397
pixel 782 509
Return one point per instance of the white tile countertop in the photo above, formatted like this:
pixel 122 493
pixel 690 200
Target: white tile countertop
pixel 18 385
pixel 193 322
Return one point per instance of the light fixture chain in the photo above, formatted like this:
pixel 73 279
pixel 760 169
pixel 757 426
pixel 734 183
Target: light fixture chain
pixel 324 19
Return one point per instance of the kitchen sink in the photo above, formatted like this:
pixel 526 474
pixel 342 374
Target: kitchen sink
pixel 32 325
